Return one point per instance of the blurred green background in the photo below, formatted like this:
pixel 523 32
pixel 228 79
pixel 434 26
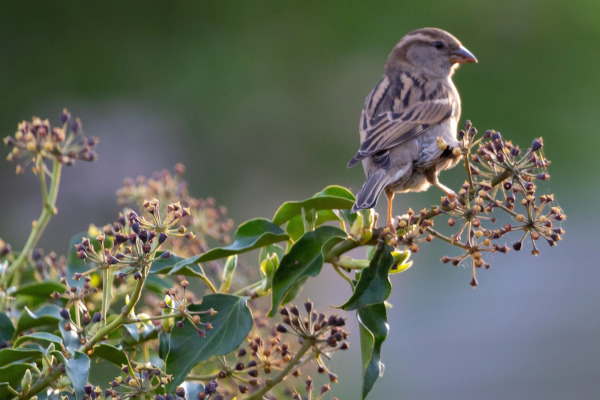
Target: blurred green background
pixel 261 101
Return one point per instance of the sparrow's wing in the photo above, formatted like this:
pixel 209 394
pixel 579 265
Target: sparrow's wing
pixel 398 111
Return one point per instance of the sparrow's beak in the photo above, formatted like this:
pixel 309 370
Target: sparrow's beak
pixel 462 56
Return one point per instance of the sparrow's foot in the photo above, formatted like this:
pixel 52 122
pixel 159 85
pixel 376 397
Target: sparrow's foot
pixel 391 227
pixel 390 199
pixel 453 197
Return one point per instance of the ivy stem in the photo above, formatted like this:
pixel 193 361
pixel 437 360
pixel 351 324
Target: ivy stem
pixel 245 290
pixel 468 168
pixel 48 210
pixel 446 238
pixel 210 285
pixel 77 316
pixel 342 274
pixel 208 377
pixel 156 318
pixel 308 343
pixel 122 319
pixel 13 391
pixel 106 292
pixel 351 263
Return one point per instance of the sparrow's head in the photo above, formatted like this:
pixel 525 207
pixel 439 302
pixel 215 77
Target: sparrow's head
pixel 430 50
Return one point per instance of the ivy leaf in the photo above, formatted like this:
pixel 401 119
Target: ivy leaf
pixel 373 332
pixel 304 259
pixel 48 314
pixel 270 249
pixel 110 353
pixel 163 345
pixel 78 368
pixel 251 235
pixel 7 329
pixel 157 284
pixel 133 331
pixel 230 327
pixel 9 356
pixel 11 375
pixel 40 337
pixel 330 198
pixel 69 337
pixel 167 266
pixel 40 289
pixel 374 284
pixel 295 226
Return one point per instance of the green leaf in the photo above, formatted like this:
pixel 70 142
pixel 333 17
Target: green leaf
pixel 373 332
pixel 294 290
pixel 374 284
pixel 270 249
pixel 8 356
pixel 163 344
pixel 48 314
pixel 40 289
pixel 295 226
pixel 133 331
pixel 110 353
pixel 77 368
pixel 167 266
pixel 304 259
pixel 7 329
pixel 44 337
pixel 11 375
pixel 330 198
pixel 157 284
pixel 251 235
pixel 69 337
pixel 230 327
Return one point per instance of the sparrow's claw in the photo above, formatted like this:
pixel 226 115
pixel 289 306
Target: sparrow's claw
pixel 391 227
pixel 453 197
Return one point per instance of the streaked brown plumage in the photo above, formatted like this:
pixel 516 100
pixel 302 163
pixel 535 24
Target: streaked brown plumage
pixel 407 115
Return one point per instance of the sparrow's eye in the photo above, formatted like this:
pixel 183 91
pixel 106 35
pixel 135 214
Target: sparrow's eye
pixel 438 45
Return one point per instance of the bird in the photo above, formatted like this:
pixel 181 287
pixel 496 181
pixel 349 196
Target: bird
pixel 408 124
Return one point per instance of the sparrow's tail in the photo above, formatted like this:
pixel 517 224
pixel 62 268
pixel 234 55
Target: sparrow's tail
pixel 368 195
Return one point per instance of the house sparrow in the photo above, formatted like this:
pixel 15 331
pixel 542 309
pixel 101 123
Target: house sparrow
pixel 409 121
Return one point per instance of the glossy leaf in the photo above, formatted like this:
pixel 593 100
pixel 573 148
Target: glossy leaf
pixel 8 356
pixel 304 259
pixel 374 284
pixel 43 337
pixel 167 266
pixel 230 327
pixel 110 353
pixel 295 226
pixel 270 249
pixel 373 332
pixel 330 198
pixel 69 337
pixel 49 314
pixel 40 289
pixel 163 344
pixel 78 368
pixel 11 375
pixel 133 331
pixel 251 235
pixel 7 329
pixel 157 284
